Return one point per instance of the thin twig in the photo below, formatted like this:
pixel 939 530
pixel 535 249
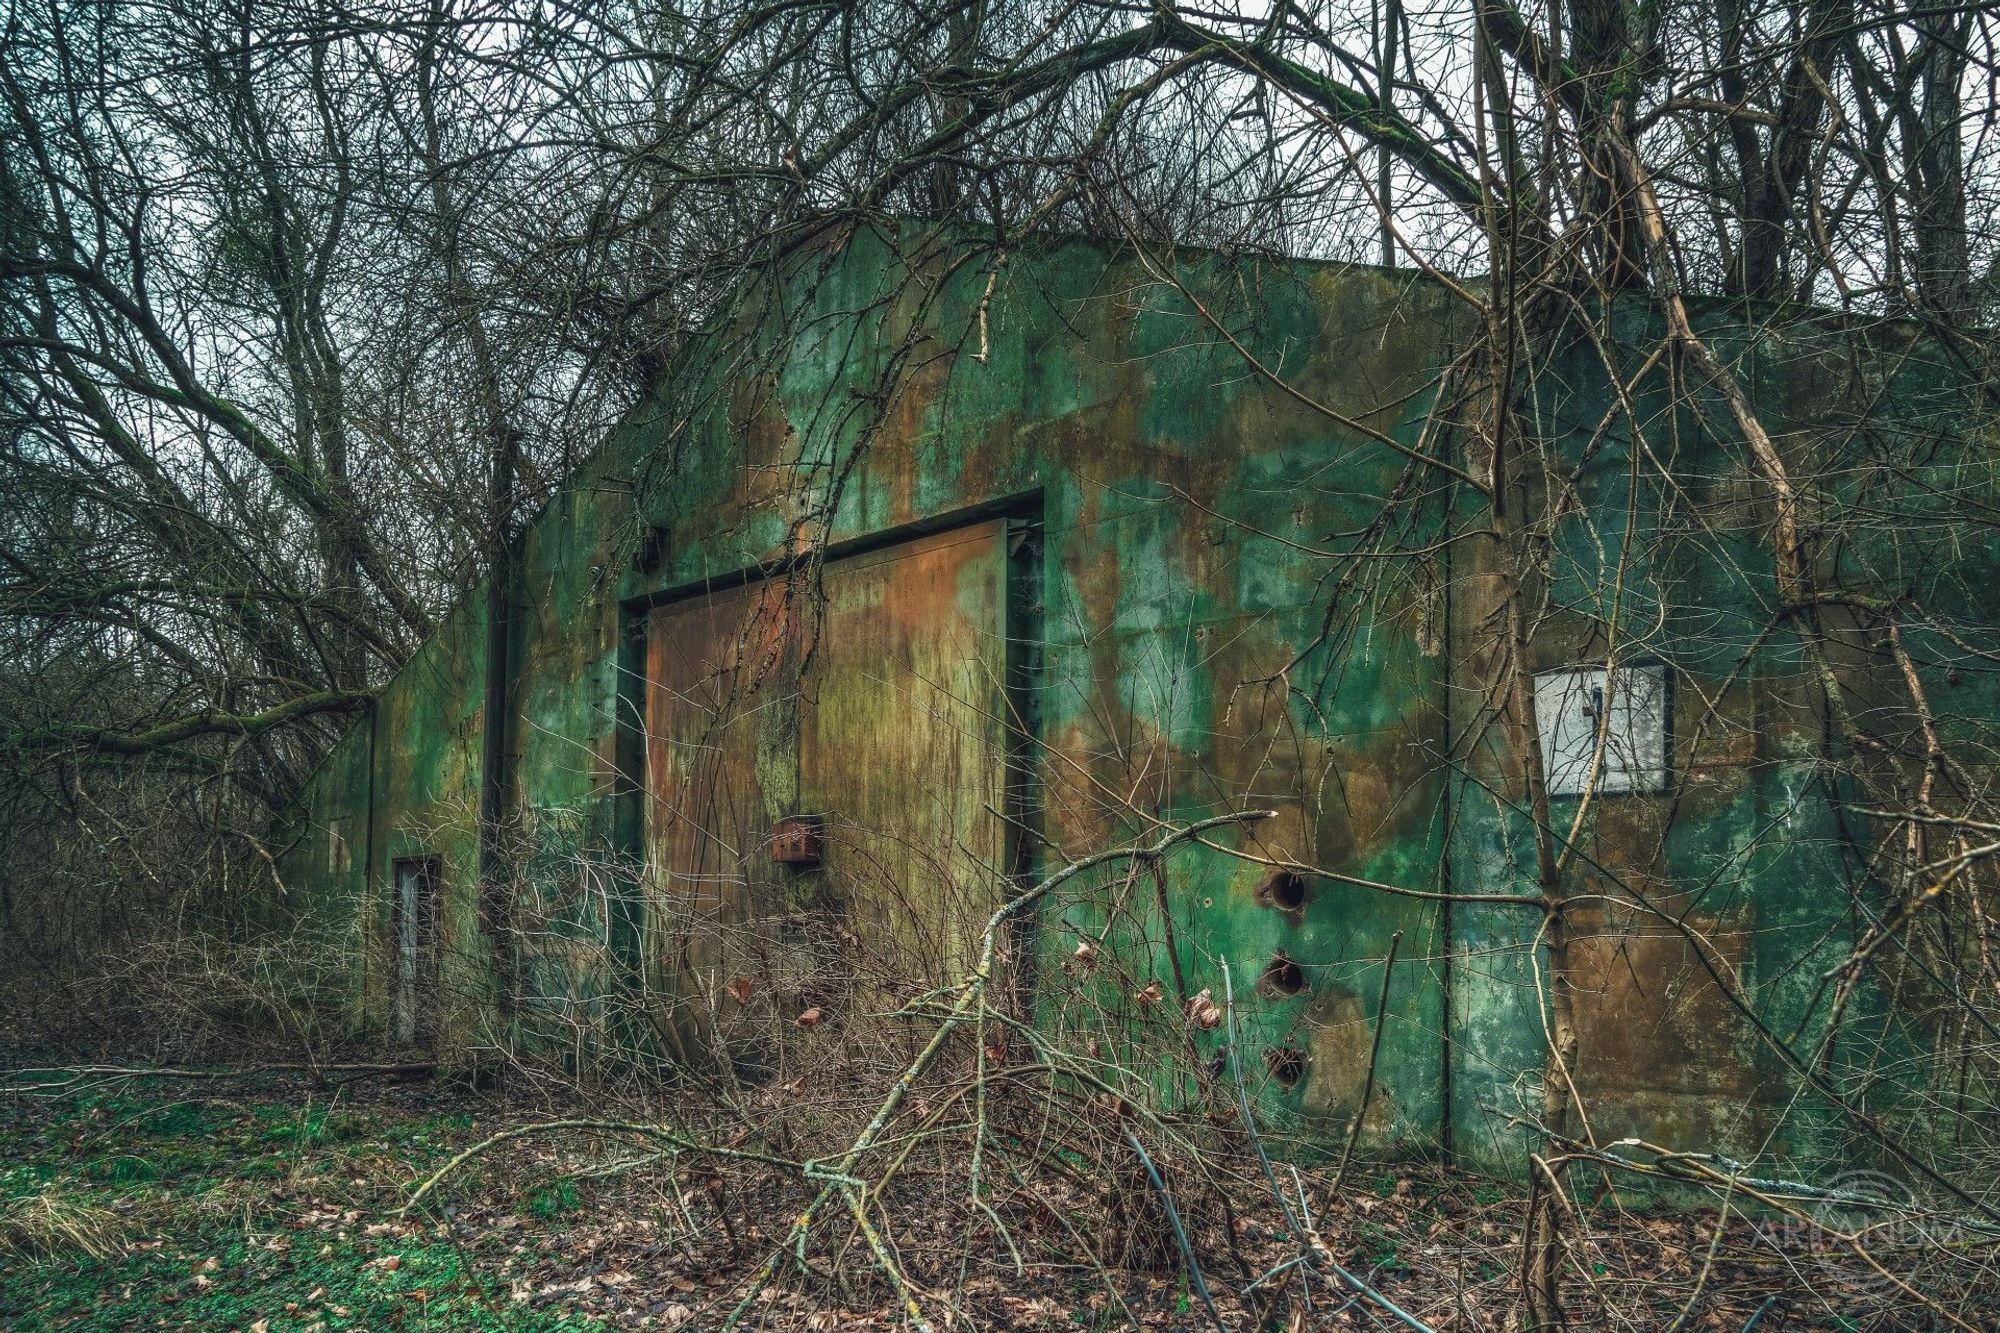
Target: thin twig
pixel 1374 1056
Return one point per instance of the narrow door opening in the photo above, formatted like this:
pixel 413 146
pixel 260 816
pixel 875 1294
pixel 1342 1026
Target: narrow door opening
pixel 415 935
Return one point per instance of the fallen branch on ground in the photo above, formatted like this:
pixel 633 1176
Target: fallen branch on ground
pixel 90 1076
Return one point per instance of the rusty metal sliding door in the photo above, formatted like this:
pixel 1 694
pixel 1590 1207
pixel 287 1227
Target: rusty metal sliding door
pixel 871 712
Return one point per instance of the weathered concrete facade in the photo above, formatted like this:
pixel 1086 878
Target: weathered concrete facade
pixel 1080 557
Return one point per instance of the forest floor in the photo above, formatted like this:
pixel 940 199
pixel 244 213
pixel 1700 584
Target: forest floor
pixel 269 1203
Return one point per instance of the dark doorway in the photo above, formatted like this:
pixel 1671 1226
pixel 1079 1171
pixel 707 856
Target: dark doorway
pixel 413 1014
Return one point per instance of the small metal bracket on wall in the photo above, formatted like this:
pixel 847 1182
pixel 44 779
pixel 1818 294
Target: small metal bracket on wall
pixel 799 841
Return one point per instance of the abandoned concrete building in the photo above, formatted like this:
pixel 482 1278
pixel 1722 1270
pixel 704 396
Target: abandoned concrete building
pixel 927 573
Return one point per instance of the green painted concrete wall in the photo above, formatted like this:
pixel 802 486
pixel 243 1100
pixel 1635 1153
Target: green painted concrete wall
pixel 1187 505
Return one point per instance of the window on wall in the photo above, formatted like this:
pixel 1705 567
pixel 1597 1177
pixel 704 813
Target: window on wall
pixel 1622 713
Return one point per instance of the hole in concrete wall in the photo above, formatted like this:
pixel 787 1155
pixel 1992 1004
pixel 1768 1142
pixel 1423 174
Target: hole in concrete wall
pixel 1287 1064
pixel 1284 890
pixel 1282 976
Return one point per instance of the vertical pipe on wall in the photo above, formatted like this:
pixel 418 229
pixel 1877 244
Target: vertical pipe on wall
pixel 1023 559
pixel 366 904
pixel 1448 881
pixel 625 929
pixel 495 887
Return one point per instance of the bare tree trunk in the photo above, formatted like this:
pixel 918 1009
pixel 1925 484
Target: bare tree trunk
pixel 1943 267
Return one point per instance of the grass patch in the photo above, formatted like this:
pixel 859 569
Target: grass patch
pixel 340 1285
pixel 53 1223
pixel 124 1168
pixel 256 1207
pixel 556 1199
